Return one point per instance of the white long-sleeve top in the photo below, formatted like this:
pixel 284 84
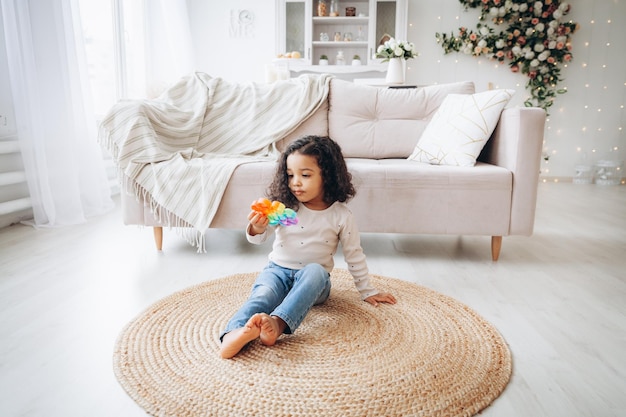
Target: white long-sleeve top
pixel 315 239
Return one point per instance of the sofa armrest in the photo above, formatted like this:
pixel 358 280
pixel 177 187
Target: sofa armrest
pixel 516 145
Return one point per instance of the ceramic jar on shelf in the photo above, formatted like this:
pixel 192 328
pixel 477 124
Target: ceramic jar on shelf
pixel 340 59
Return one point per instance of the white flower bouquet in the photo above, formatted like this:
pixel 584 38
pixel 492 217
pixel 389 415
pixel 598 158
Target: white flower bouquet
pixel 396 49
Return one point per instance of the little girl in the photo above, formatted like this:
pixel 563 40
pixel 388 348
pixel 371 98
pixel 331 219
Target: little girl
pixel 311 178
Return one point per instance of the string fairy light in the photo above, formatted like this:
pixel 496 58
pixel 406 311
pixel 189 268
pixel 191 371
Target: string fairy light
pixel 586 124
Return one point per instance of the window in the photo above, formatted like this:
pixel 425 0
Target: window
pixel 113 32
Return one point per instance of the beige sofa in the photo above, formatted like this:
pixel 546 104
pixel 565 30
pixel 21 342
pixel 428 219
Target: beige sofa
pixel 377 129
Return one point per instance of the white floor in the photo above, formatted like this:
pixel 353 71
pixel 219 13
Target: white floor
pixel 558 297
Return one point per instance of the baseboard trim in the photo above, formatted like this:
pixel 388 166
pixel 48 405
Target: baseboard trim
pixel 557 179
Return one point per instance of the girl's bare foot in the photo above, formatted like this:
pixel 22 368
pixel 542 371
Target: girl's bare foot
pixel 234 341
pixel 271 328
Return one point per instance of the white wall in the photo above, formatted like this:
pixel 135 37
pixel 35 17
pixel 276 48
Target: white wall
pixel 223 49
pixel 585 124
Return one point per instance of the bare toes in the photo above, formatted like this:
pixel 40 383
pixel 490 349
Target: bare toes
pixel 269 330
pixel 235 340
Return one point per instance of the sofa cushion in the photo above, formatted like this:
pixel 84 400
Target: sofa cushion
pixel 460 128
pixel 378 123
pixel 399 195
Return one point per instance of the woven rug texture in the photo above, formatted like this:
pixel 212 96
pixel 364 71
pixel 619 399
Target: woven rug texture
pixel 428 355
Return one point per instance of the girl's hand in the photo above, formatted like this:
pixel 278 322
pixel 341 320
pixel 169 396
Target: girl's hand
pixel 382 297
pixel 258 223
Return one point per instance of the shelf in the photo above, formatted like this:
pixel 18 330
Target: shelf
pixel 341 44
pixel 341 20
pixel 339 69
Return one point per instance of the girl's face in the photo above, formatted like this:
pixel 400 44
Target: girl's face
pixel 305 180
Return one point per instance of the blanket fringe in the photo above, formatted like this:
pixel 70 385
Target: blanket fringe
pixel 106 141
pixel 163 216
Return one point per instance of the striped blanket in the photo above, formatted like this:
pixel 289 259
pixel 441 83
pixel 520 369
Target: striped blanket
pixel 180 150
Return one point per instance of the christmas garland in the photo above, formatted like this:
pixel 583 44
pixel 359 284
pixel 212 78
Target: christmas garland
pixel 536 42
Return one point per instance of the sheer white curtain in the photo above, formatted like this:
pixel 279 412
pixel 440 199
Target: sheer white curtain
pixel 169 46
pixel 55 122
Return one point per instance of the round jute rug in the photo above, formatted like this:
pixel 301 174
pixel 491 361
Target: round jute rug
pixel 428 355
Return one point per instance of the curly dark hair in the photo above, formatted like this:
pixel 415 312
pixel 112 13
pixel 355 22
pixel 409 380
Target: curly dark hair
pixel 337 181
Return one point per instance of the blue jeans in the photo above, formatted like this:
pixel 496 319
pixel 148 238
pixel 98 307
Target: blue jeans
pixel 285 293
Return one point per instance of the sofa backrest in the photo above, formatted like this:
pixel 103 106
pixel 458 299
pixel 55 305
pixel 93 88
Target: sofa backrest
pixel 316 124
pixel 379 123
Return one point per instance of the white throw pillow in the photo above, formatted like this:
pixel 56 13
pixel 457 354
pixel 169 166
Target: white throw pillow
pixel 460 128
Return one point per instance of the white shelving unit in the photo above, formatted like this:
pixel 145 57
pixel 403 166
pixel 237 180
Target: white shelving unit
pixel 300 29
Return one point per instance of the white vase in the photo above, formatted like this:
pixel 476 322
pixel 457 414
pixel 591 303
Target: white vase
pixel 395 71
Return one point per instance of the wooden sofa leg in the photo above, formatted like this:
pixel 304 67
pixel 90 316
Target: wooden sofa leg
pixel 158 237
pixel 496 244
